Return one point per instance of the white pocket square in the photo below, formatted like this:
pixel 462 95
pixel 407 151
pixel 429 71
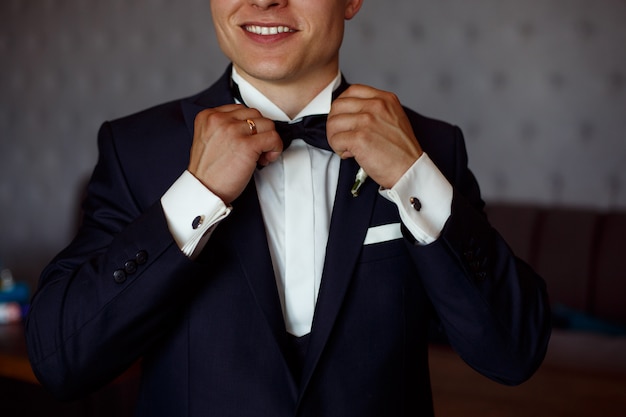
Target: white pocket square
pixel 382 233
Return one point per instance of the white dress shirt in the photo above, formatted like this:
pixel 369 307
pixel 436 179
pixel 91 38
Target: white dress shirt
pixel 296 195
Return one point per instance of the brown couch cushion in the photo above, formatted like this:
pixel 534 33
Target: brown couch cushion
pixel 579 252
pixel 564 249
pixel 609 291
pixel 517 224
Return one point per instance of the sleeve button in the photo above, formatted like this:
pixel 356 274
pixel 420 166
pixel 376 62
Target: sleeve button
pixel 119 276
pixel 141 257
pixel 130 267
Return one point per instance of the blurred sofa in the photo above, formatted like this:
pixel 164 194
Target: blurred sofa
pixel 580 253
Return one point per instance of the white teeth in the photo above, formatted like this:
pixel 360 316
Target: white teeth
pixel 266 30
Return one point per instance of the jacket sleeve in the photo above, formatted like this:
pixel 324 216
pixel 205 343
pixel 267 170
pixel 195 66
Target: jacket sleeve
pixel 113 292
pixel 493 307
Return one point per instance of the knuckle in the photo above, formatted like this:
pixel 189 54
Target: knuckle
pixel 391 96
pixel 366 118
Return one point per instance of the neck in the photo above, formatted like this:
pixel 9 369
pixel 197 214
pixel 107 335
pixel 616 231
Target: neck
pixel 291 96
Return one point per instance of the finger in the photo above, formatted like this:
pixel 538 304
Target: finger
pixel 360 91
pixel 255 125
pixel 347 122
pixel 266 146
pixel 360 98
pixel 234 111
pixel 225 109
pixel 267 158
pixel 347 143
pixel 228 108
pixel 264 140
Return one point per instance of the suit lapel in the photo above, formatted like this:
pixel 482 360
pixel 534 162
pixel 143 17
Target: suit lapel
pixel 216 95
pixel 244 228
pixel 349 223
pixel 248 236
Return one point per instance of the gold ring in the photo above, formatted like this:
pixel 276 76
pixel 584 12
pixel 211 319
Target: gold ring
pixel 252 126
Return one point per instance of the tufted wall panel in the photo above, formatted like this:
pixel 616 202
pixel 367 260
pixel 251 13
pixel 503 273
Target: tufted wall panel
pixel 538 87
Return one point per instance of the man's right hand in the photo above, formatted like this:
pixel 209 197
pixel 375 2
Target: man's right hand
pixel 225 152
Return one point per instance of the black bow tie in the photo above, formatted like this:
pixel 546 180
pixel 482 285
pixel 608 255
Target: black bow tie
pixel 311 129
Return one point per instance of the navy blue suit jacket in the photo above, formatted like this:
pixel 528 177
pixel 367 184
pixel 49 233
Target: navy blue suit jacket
pixel 210 333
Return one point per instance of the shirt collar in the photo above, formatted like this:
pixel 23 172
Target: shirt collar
pixel 255 99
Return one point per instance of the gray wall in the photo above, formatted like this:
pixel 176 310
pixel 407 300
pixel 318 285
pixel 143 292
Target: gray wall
pixel 538 87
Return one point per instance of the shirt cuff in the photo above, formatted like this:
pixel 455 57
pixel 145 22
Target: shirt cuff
pixel 192 211
pixel 424 199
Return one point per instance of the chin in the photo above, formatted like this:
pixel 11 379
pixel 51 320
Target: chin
pixel 268 72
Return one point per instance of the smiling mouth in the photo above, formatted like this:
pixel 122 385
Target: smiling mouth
pixel 267 30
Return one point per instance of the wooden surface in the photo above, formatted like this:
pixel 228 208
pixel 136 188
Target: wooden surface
pixel 14 363
pixel 459 391
pixel 21 395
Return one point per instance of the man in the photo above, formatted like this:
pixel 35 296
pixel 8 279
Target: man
pixel 244 273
